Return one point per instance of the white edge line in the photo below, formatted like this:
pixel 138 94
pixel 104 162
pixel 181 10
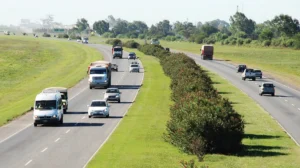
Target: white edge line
pixel 15 133
pixel 44 150
pixel 113 129
pixel 67 131
pixel 57 139
pixel 31 124
pixel 298 108
pixel 28 162
pixel 293 105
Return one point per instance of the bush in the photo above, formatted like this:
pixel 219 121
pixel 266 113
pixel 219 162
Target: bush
pixel 121 36
pixel 247 41
pixel 226 41
pixel 46 35
pixel 141 36
pixel 201 120
pixel 290 43
pixel 240 41
pixel 297 41
pixel 108 35
pixel 131 44
pixel 114 42
pixel 233 42
pixel 267 43
pixel 63 36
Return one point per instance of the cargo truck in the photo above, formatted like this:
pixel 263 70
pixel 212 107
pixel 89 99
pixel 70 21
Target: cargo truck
pixel 207 52
pixel 99 73
pixel 117 51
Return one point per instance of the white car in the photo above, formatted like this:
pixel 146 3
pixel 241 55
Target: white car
pixel 112 94
pixel 98 108
pixel 78 40
pixel 134 68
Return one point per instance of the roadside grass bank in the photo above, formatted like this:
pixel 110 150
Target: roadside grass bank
pixel 279 63
pixel 29 65
pixel 138 140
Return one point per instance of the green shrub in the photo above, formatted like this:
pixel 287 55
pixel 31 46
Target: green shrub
pixel 63 36
pixel 290 43
pixel 266 43
pixel 114 42
pixel 131 44
pixel 46 35
pixel 240 41
pixel 247 41
pixel 226 42
pixel 141 36
pixel 297 41
pixel 233 42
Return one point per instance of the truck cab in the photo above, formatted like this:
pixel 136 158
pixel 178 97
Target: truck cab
pixel 207 52
pixel 64 96
pixel 117 51
pixel 100 74
pixel 249 74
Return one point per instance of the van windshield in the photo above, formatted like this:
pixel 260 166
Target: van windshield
pixel 45 105
pixel 117 49
pixel 98 71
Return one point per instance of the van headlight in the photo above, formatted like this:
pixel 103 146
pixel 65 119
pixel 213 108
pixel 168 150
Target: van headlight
pixel 36 116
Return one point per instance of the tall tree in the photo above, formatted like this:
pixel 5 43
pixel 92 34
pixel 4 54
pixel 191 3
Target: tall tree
pixel 164 26
pixel 286 25
pixel 120 28
pixel 82 24
pixel 240 23
pixel 208 29
pixel 101 26
pixel 141 26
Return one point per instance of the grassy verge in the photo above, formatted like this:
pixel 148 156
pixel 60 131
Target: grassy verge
pixel 138 142
pixel 29 65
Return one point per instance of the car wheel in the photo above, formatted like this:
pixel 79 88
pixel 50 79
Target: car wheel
pixel 90 116
pixel 243 78
pixel 34 124
pixel 260 77
pixel 273 94
pixel 254 79
pixel 119 101
pixel 61 120
pixel 65 111
pixel 107 115
pixel 260 94
pixel 91 87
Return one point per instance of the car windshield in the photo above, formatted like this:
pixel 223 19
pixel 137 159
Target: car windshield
pixel 112 91
pixel 134 65
pixel 249 70
pixel 98 104
pixel 242 66
pixel 257 71
pixel 63 95
pixel 117 49
pixel 131 54
pixel 98 71
pixel 268 85
pixel 45 105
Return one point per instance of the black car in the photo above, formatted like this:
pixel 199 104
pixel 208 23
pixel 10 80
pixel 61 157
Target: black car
pixel 241 68
pixel 132 55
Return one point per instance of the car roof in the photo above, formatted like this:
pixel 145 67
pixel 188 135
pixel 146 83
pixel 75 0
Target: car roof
pixel 101 100
pixel 132 53
pixel 112 88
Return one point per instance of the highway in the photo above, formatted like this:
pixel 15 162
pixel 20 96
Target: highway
pixel 284 106
pixel 78 139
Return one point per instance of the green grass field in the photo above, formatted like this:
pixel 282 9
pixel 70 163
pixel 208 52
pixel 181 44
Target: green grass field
pixel 138 142
pixel 280 63
pixel 29 65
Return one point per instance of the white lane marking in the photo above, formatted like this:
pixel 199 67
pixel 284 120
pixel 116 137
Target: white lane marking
pixel 78 94
pixel 286 100
pixel 44 150
pixel 57 139
pixel 67 131
pixel 28 162
pixel 298 108
pixel 83 117
pixel 15 133
pixel 293 105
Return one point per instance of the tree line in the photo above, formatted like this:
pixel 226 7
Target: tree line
pixel 282 30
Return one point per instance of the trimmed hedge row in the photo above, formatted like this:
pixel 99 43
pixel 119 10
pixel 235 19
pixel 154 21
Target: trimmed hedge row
pixel 201 121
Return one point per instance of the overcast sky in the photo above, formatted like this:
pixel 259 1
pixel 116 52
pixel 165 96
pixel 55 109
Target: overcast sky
pixel 150 11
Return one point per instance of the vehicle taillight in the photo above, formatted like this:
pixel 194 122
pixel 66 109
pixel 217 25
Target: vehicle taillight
pixel 202 52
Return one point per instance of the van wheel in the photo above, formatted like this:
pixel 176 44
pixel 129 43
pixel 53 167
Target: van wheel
pixel 107 116
pixel 34 124
pixel 91 87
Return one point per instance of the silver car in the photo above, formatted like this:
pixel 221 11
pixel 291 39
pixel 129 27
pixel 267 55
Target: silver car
pixel 134 68
pixel 258 73
pixel 112 94
pixel 267 88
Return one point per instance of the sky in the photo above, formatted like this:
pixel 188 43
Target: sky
pixel 151 12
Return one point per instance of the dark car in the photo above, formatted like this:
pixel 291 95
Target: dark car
pixel 241 68
pixel 132 55
pixel 258 73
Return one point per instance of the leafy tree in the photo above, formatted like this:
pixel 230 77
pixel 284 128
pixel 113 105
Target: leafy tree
pixel 208 29
pixel 82 24
pixel 286 25
pixel 101 26
pixel 219 24
pixel 184 29
pixel 164 27
pixel 266 34
pixel 120 28
pixel 140 26
pixel 239 22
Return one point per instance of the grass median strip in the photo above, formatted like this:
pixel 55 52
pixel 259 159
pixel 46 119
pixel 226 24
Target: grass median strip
pixel 29 65
pixel 138 141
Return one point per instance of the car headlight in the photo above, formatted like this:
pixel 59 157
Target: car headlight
pixel 117 95
pixel 106 110
pixel 54 116
pixel 36 116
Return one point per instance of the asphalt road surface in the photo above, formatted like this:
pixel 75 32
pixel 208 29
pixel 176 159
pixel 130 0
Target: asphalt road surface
pixel 76 141
pixel 284 106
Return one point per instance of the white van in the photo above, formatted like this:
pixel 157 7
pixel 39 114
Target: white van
pixel 48 108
